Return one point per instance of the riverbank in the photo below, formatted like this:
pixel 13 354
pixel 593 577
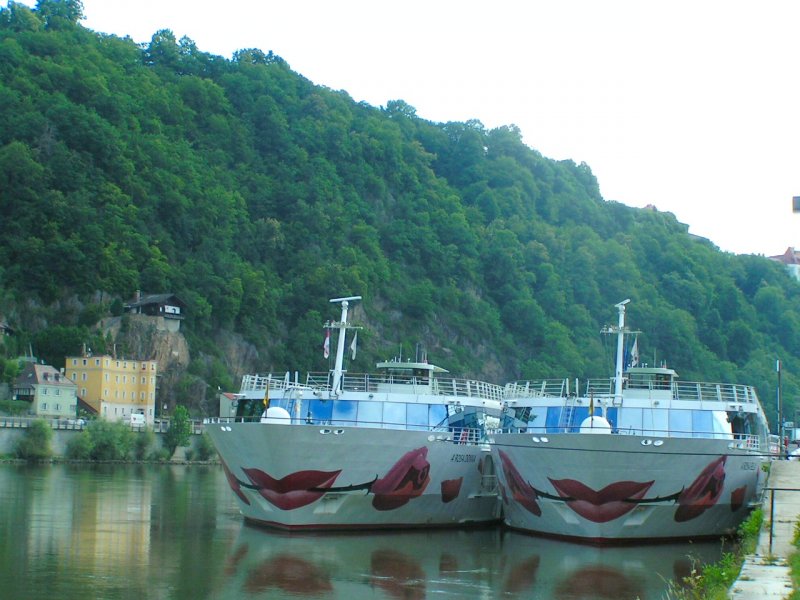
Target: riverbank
pixel 766 574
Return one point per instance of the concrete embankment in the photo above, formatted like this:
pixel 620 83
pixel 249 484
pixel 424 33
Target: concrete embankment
pixel 766 574
pixel 13 428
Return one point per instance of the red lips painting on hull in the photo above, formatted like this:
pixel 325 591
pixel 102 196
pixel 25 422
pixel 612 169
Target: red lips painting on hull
pixel 703 493
pixel 407 479
pixel 602 506
pixel 521 490
pixel 293 491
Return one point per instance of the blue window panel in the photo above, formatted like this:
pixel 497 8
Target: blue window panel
pixel 417 416
pixel 281 402
pixel 344 412
pixel 579 414
pixel 537 420
pixel 437 416
pixel 629 420
pixel 321 411
pixel 702 424
pixel 655 422
pixel 553 419
pixel 394 415
pixel 370 414
pixel 611 417
pixel 680 422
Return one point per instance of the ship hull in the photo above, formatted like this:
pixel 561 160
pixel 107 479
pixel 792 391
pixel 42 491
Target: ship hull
pixel 606 488
pixel 311 477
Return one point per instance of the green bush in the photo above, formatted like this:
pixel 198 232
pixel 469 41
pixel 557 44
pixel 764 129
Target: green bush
pixel 110 440
pixel 142 442
pixel 205 448
pixel 35 443
pixel 80 446
pixel 159 455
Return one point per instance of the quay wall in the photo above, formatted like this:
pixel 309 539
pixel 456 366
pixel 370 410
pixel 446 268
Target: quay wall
pixel 13 428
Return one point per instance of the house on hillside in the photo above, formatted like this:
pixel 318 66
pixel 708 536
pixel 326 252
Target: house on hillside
pixel 51 394
pixel 791 259
pixel 114 388
pixel 168 307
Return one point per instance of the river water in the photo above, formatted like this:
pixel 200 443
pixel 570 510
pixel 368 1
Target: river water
pixel 174 532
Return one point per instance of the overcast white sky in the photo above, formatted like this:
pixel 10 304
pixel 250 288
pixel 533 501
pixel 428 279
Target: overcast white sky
pixel 692 106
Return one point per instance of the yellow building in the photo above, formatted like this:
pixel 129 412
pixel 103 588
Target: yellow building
pixel 115 388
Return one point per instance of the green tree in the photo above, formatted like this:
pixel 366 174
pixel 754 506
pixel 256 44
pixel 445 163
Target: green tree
pixel 35 443
pixel 180 429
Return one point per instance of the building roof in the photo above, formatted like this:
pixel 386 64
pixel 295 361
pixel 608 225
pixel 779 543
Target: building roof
pixel 37 374
pixel 155 299
pixel 790 257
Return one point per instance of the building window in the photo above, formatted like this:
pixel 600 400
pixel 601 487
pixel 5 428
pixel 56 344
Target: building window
pixel 153 366
pixel 105 376
pixel 97 362
pixel 125 365
pixel 74 376
pixel 84 362
pixel 144 380
pixel 83 392
pixel 83 376
pixel 58 391
pixel 74 362
pixel 116 378
pixel 44 405
pixel 107 362
pixel 105 393
pixel 124 379
pixel 58 407
pixel 44 391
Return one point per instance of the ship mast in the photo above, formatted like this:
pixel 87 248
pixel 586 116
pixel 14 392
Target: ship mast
pixel 342 327
pixel 620 352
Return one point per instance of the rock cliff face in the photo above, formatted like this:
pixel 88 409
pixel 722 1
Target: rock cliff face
pixel 147 338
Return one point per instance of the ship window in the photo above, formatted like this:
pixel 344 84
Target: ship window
pixel 554 416
pixel 417 416
pixel 721 426
pixel 630 421
pixel 344 412
pixel 537 418
pixel 394 415
pixel 702 424
pixel 654 422
pixel 680 422
pixel 369 414
pixel 321 411
pixel 437 415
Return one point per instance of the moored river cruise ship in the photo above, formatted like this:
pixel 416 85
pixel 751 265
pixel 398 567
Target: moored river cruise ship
pixel 638 457
pixel 401 448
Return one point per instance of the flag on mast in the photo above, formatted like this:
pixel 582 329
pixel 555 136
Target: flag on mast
pixel 326 346
pixel 635 352
pixel 353 346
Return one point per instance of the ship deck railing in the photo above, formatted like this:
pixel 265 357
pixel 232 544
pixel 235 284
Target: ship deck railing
pixel 372 383
pixel 741 441
pixel 442 433
pixel 604 388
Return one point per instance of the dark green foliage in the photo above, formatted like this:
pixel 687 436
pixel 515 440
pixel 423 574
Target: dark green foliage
pixel 35 443
pixel 79 446
pixel 143 441
pixel 256 196
pixel 109 440
pixel 180 429
pixel 204 449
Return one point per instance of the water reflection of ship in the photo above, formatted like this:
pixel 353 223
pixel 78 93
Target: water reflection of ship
pixel 464 564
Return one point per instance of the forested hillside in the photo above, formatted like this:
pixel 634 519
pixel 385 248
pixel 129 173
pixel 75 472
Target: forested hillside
pixel 255 196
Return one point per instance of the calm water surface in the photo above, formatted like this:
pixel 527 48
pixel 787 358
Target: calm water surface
pixel 173 532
